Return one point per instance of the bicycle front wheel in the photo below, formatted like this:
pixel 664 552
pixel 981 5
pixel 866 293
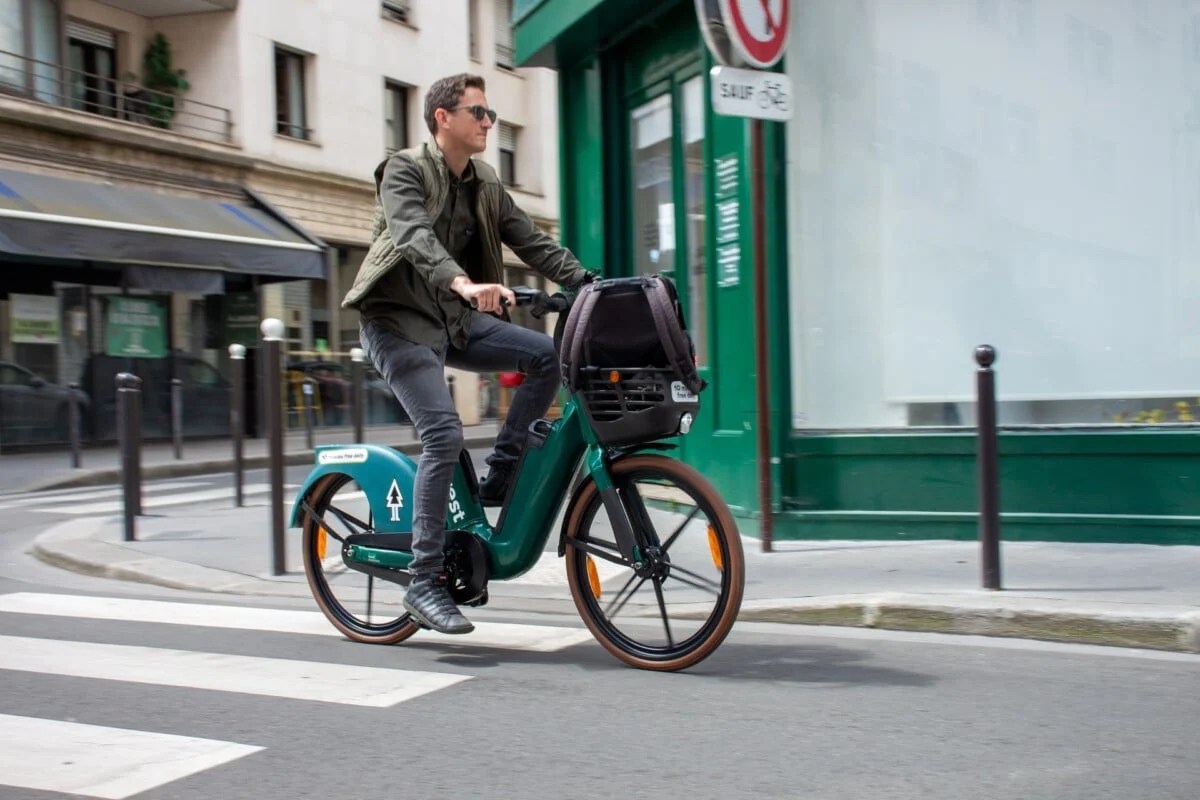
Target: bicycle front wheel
pixel 675 607
pixel 358 605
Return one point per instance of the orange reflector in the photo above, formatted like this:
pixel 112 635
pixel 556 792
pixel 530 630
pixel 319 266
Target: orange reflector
pixel 321 539
pixel 714 549
pixel 614 377
pixel 593 577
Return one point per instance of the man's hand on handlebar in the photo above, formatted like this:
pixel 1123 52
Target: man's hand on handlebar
pixel 491 298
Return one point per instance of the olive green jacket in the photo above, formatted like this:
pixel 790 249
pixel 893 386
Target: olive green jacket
pixel 416 182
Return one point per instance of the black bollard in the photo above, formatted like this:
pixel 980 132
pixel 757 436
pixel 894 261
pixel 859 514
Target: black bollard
pixel 356 378
pixel 989 468
pixel 74 433
pixel 272 330
pixel 309 387
pixel 177 417
pixel 129 412
pixel 237 410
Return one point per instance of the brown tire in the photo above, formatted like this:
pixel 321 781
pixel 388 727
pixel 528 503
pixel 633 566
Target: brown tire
pixel 660 495
pixel 331 590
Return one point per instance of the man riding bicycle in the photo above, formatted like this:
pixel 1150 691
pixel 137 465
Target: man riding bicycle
pixel 430 293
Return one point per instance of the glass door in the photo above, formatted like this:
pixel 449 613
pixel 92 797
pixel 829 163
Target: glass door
pixel 669 200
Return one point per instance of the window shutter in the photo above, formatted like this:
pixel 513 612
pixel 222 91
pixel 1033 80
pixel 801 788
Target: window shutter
pixel 86 33
pixel 508 138
pixel 504 37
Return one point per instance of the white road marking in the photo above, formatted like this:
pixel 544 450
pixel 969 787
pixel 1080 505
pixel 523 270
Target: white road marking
pixel 152 501
pixel 501 635
pixel 269 677
pixel 95 761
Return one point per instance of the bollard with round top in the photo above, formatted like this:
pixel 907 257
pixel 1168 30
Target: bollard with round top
pixel 989 467
pixel 237 411
pixel 356 376
pixel 272 331
pixel 129 434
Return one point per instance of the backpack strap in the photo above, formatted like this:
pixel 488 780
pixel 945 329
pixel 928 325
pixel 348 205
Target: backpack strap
pixel 571 350
pixel 669 323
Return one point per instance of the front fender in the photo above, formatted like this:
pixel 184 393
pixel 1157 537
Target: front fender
pixel 384 475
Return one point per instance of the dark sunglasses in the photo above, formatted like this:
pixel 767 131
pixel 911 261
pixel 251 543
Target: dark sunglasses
pixel 478 112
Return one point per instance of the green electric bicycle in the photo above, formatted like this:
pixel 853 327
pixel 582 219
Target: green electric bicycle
pixel 653 556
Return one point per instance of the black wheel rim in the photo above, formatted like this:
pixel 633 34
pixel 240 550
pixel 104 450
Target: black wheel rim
pixel 338 512
pixel 678 635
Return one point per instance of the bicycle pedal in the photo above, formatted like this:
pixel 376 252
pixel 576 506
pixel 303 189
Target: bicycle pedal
pixel 479 600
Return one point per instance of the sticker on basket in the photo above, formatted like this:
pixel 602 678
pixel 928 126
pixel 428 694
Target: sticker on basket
pixel 681 394
pixel 354 455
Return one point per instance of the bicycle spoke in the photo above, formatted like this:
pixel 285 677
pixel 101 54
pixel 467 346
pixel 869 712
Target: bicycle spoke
pixel 612 611
pixel 671 539
pixel 700 582
pixel 370 595
pixel 662 606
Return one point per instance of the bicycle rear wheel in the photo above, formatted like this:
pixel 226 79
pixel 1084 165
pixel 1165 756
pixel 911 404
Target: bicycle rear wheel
pixel 677 607
pixel 363 608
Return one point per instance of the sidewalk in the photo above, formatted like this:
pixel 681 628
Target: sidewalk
pixel 1129 595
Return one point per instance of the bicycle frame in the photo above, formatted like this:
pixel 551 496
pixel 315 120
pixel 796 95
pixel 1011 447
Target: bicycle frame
pixel 553 453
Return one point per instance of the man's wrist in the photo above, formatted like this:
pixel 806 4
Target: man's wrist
pixel 458 282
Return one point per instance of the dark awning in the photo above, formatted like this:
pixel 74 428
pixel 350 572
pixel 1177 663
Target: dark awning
pixel 194 239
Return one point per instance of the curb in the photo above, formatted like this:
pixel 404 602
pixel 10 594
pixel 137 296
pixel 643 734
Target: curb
pixel 1157 629
pixel 184 469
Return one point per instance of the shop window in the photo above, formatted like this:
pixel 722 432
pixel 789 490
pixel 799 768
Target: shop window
pixel 291 114
pixel 395 122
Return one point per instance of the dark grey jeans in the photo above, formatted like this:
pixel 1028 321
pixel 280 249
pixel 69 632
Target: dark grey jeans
pixel 417 377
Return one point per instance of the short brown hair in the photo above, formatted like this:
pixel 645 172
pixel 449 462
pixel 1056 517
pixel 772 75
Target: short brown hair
pixel 446 92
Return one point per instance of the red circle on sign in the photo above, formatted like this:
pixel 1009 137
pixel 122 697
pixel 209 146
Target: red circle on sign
pixel 759 52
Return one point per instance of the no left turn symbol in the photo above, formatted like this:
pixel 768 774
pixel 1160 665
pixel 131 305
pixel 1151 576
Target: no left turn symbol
pixel 758 29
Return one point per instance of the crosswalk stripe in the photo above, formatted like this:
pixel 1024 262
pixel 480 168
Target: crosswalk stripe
pixel 154 500
pixel 84 493
pixel 270 677
pixel 501 635
pixel 95 761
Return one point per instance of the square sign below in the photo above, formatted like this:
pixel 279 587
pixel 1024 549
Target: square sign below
pixel 751 93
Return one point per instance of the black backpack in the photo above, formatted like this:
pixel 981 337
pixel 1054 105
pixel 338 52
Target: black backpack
pixel 628 323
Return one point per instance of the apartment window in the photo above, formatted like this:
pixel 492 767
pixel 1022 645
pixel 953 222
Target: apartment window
pixel 473 29
pixel 92 68
pixel 395 116
pixel 504 35
pixel 508 154
pixel 397 10
pixel 291 115
pixel 29 41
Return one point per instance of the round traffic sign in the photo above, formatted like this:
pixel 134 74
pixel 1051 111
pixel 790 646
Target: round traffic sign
pixel 758 29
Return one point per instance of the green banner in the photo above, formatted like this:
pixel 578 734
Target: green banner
pixel 241 319
pixel 136 327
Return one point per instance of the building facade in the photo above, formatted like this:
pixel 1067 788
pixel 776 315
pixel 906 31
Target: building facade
pixel 1019 173
pixel 261 132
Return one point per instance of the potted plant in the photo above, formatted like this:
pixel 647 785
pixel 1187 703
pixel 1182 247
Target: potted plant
pixel 154 103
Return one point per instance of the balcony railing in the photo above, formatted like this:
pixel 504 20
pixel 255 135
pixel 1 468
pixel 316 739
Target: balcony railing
pixel 103 95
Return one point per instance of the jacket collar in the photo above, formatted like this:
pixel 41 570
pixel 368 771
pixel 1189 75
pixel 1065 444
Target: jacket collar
pixel 470 174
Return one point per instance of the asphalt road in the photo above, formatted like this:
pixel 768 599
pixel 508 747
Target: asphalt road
pixel 778 711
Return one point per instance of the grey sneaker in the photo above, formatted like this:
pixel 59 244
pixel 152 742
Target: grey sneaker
pixel 428 600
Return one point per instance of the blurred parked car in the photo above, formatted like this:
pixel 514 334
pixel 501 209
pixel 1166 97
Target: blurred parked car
pixel 334 389
pixel 32 409
pixel 206 394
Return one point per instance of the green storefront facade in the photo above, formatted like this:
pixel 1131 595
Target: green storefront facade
pixel 1004 172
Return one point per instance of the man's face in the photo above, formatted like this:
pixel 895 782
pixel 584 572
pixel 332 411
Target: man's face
pixel 461 125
